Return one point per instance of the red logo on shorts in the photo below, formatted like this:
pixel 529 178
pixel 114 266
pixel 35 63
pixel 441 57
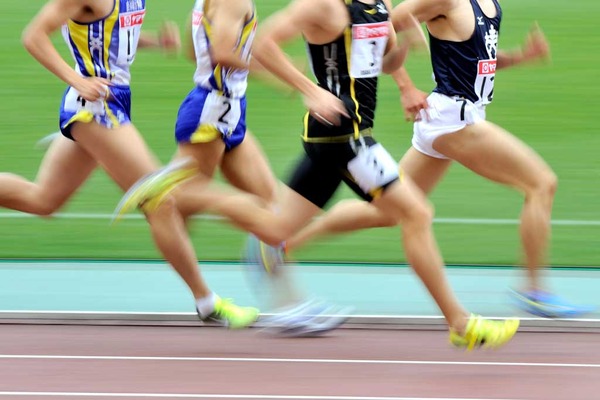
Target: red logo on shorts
pixel 486 67
pixel 132 19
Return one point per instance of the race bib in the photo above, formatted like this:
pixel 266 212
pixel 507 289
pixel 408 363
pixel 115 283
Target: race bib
pixel 222 112
pixel 373 167
pixel 368 47
pixel 484 82
pixel 76 104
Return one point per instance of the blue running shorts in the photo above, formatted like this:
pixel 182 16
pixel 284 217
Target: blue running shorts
pixel 206 115
pixel 111 113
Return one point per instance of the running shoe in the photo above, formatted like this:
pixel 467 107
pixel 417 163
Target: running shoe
pixel 45 142
pixel 548 305
pixel 307 319
pixel 230 315
pixel 150 191
pixel 484 333
pixel 267 258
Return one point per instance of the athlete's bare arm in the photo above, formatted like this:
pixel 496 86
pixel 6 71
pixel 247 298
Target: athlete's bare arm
pixel 422 10
pixel 36 39
pixel 412 99
pixel 188 48
pixel 303 18
pixel 536 47
pixel 167 38
pixel 227 19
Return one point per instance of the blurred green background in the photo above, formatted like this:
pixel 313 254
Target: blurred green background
pixel 551 107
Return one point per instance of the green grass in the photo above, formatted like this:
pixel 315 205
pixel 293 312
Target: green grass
pixel 545 105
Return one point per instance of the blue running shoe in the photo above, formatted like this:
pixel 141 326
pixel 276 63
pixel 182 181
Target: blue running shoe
pixel 548 305
pixel 267 258
pixel 309 318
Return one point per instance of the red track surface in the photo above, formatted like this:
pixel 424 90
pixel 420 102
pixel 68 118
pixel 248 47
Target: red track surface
pixel 428 375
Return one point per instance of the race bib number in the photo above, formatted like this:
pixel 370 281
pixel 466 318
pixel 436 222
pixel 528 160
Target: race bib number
pixel 222 112
pixel 76 104
pixel 368 47
pixel 129 33
pixel 484 82
pixel 373 167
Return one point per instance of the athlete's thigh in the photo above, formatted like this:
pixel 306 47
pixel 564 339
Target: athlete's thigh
pixel 207 155
pixel 246 167
pixel 64 169
pixel 121 151
pixel 295 211
pixel 400 199
pixel 424 170
pixel 495 154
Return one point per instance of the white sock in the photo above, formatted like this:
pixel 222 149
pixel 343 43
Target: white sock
pixel 206 305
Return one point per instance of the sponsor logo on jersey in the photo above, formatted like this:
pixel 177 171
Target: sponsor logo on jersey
pixel 381 8
pixel 132 19
pixel 134 5
pixel 486 67
pixel 197 18
pixel 368 31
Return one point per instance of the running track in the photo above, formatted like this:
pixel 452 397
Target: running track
pixel 64 335
pixel 125 362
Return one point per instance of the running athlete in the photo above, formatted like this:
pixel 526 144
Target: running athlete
pixel 463 37
pixel 347 50
pixel 103 36
pixel 211 128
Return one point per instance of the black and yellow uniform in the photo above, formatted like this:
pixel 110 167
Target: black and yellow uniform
pixel 349 68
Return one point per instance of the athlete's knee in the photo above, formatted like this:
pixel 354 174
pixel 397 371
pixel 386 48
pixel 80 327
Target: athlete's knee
pixel 545 186
pixel 43 205
pixel 277 235
pixel 419 215
pixel 165 210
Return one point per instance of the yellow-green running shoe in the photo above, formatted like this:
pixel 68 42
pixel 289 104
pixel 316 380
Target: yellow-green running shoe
pixel 231 315
pixel 150 191
pixel 485 333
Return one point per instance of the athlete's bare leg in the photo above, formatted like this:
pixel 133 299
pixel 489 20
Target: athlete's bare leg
pixel 404 202
pixel 126 158
pixel 497 155
pixel 207 157
pixel 65 167
pixel 353 215
pixel 246 167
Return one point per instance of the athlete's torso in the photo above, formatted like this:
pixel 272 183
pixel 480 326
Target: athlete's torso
pixel 349 66
pixel 106 48
pixel 232 82
pixel 467 69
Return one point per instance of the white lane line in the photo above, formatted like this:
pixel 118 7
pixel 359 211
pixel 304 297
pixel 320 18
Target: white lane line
pixel 225 396
pixel 295 360
pixel 457 221
pixel 111 314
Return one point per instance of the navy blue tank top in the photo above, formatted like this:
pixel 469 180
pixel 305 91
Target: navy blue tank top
pixel 467 69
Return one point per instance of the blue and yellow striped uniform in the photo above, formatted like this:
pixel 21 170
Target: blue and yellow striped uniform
pixel 216 107
pixel 104 48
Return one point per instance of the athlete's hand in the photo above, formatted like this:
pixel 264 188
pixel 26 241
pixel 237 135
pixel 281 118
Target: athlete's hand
pixel 413 101
pixel 92 89
pixel 169 37
pixel 325 107
pixel 536 46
